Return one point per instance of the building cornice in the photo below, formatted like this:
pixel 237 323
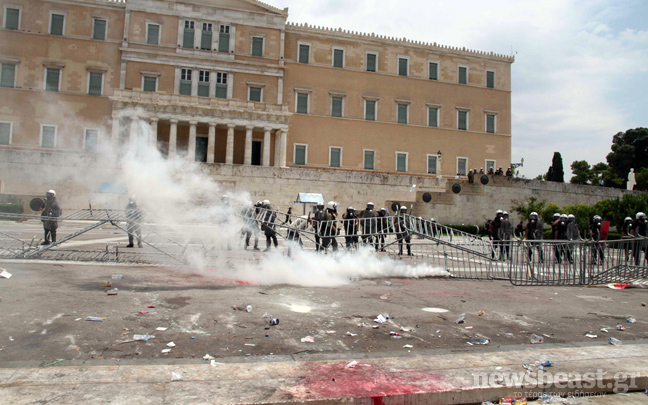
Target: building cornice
pixel 340 33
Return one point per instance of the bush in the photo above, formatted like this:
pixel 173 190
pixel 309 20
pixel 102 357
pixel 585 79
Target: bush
pixel 10 208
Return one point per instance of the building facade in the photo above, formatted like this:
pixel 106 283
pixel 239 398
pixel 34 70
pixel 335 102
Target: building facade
pixel 230 81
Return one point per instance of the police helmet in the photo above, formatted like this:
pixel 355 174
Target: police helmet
pixel 350 208
pixel 383 209
pixel 563 217
pixel 641 215
pixel 432 220
pixel 403 209
pixel 50 193
pixel 533 216
pixel 370 205
pixel 556 215
pixel 597 218
pixel 627 219
pixel 332 205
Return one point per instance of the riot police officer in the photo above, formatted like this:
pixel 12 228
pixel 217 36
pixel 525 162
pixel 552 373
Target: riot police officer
pixel 250 225
pixel 351 224
pixel 268 225
pixel 534 232
pixel 368 223
pixel 328 226
pixel 640 230
pixel 382 227
pixel 319 209
pixel 133 218
pixel 597 247
pixel 506 233
pixel 402 233
pixel 51 209
pixel 495 231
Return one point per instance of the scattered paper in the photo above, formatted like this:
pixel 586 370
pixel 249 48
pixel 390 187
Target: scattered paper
pixel 330 331
pixel 250 344
pixel 166 350
pixel 171 344
pixel 589 335
pixel 5 274
pixel 408 346
pixel 94 318
pixel 162 328
pixel 380 319
pixel 308 339
pixel 208 357
pixel 351 334
pixel 176 376
pixel 618 286
pixel 351 364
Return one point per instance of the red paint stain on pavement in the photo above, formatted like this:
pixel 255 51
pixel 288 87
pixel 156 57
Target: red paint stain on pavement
pixel 331 381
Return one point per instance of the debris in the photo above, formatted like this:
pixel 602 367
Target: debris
pixel 267 315
pixel 481 313
pixel 274 321
pixel 479 341
pixel 631 319
pixel 406 329
pixel 394 334
pixel 176 376
pixel 536 339
pixel 112 292
pixel 384 297
pixel 5 274
pixel 351 364
pixel 618 286
pixel 94 318
pixel 330 332
pixel 589 335
pixel 308 339
pixel 408 346
pixel 166 350
pixel 118 276
pixel 142 312
pixel 106 284
pixel 461 319
pixel 208 357
pixel 469 327
pixel 388 283
pixel 248 308
pixel 376 326
pixel 615 342
pixel 605 330
pixel 151 306
pixel 171 344
pixel 54 362
pixel 78 319
pixel 11 339
pixel 620 327
pixel 144 338
pixel 643 304
pixel 250 344
pixel 162 328
pixel 213 363
pixel 381 318
pixel 351 334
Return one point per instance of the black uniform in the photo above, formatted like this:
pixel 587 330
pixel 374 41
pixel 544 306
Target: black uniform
pixel 351 229
pixel 597 247
pixel 133 219
pixel 269 229
pixel 640 230
pixel 327 229
pixel 51 210
pixel 403 235
pixel 534 232
pixel 250 226
pixel 495 231
pixel 368 224
pixel 506 233
pixel 382 227
pixel 562 229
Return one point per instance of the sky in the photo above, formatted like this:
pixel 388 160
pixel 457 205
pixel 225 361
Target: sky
pixel 581 66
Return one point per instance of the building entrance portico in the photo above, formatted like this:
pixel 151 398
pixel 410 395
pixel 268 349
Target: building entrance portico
pixel 203 130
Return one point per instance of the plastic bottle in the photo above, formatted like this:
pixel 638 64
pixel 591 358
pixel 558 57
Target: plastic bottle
pixel 631 319
pixel 461 318
pixel 615 342
pixel 274 321
pixel 117 276
pixel 536 339
pixel 249 308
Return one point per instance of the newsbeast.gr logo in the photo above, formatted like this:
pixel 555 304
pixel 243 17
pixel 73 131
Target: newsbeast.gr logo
pixel 569 383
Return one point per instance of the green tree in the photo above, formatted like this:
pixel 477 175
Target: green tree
pixel 629 150
pixel 548 211
pixel 582 172
pixel 524 208
pixel 558 171
pixel 541 177
pixel 599 171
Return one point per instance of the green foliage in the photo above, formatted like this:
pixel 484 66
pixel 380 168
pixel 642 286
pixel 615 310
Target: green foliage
pixel 558 171
pixel 11 208
pixel 523 209
pixel 547 212
pixel 629 150
pixel 582 172
pixel 541 177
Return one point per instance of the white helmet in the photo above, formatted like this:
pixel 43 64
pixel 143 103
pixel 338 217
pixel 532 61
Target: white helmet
pixel 505 213
pixel 627 219
pixel 350 208
pixel 640 215
pixel 498 212
pixel 571 216
pixel 331 205
pixel 556 215
pixel 370 204
pixel 50 193
pixel 403 208
pixel 432 220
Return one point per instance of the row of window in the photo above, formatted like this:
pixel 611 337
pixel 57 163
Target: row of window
pixel 48 136
pixel 402 116
pixel 56 26
pixel 371 64
pixel 52 78
pixel 300 154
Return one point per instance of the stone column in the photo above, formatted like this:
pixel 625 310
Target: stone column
pixel 191 153
pixel 211 142
pixel 247 159
pixel 229 152
pixel 132 142
pixel 277 153
pixel 154 131
pixel 266 146
pixel 114 139
pixel 282 151
pixel 173 138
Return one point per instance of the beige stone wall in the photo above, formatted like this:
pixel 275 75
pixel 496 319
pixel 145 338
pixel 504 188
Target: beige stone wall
pixel 166 79
pixel 76 178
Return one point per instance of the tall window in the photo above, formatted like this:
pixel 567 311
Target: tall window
pixel 335 156
pixel 434 70
pixel 370 110
pixel 490 123
pixel 153 34
pixel 433 117
pixel 255 94
pixel 223 38
pixel 490 164
pixel 403 66
pixel 99 29
pixel 369 159
pixel 336 106
pixel 338 58
pixel 462 166
pixel 302 103
pixel 149 83
pixel 304 53
pixel 432 164
pixel 185 82
pixel 462 120
pixel 206 37
pixel 490 79
pixel 5 133
pixel 188 34
pixel 57 22
pixel 48 136
pixel 12 18
pixel 203 83
pixel 257 46
pixel 221 85
pixel 300 154
pixel 401 162
pixel 95 83
pixel 372 60
pixel 91 140
pixel 52 78
pixel 8 78
pixel 463 75
pixel 402 113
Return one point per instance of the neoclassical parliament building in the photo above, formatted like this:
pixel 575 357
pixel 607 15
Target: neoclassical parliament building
pixel 232 82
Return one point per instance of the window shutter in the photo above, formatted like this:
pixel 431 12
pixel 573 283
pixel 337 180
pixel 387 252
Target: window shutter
pixel 223 42
pixel 206 40
pixel 257 46
pixel 370 113
pixel 336 106
pixel 303 53
pixel 300 155
pixel 433 117
pixel 153 34
pixel 12 18
pixel 402 113
pixel 5 133
pixel 94 85
pixel 57 24
pixel 462 120
pixel 91 139
pixel 255 94
pixel 463 76
pixel 490 80
pixel 188 38
pixel 490 123
pixel 369 160
pixel 8 75
pixel 402 67
pixel 221 91
pixel 52 79
pixel 401 163
pixel 371 62
pixel 432 164
pixel 434 71
pixel 149 83
pixel 49 137
pixel 302 103
pixel 338 58
pixel 203 89
pixel 99 30
pixel 335 157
